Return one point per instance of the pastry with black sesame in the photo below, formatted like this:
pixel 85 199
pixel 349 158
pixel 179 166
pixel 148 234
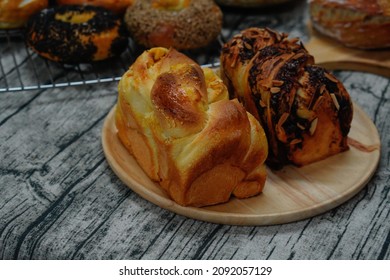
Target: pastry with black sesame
pixel 76 34
pixel 305 111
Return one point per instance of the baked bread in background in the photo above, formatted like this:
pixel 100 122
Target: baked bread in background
pixel 117 6
pixel 305 111
pixel 361 24
pixel 181 24
pixel 250 3
pixel 15 13
pixel 175 118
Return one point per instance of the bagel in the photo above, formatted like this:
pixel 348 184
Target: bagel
pixel 76 34
pixel 117 6
pixel 181 24
pixel 15 13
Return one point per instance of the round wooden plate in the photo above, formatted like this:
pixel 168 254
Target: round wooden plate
pixel 289 195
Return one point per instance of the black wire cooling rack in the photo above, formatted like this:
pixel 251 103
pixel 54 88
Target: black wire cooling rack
pixel 21 69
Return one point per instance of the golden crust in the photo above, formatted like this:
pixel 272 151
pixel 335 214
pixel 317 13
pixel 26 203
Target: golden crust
pixel 355 23
pixel 305 111
pixel 180 126
pixel 181 24
pixel 15 13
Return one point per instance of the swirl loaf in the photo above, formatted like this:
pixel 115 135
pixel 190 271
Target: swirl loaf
pixel 305 111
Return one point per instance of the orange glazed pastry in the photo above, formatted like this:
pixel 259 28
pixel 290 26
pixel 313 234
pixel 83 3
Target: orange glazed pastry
pixel 175 118
pixel 305 111
pixel 355 23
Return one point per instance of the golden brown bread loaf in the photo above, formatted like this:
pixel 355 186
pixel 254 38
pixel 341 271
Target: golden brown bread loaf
pixel 176 120
pixel 355 23
pixel 305 111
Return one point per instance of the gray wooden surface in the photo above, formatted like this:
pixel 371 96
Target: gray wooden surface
pixel 59 198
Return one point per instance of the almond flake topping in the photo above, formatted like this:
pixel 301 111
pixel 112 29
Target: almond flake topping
pixel 334 99
pixel 277 83
pixel 262 104
pixel 313 126
pixel 333 79
pixel 248 46
pixel 300 126
pixel 295 141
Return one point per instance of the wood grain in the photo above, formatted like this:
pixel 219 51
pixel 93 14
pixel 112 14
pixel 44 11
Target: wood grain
pixel 289 195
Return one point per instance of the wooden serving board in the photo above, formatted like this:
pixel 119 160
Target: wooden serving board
pixel 334 56
pixel 289 195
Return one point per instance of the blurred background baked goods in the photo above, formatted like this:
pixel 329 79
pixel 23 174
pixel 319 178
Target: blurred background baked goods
pixel 15 13
pixel 187 24
pixel 361 24
pixel 75 34
pixel 251 3
pixel 117 6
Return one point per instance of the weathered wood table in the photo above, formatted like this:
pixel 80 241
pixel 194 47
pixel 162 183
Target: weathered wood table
pixel 59 199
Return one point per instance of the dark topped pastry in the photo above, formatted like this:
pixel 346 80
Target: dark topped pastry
pixel 305 111
pixel 76 34
pixel 355 23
